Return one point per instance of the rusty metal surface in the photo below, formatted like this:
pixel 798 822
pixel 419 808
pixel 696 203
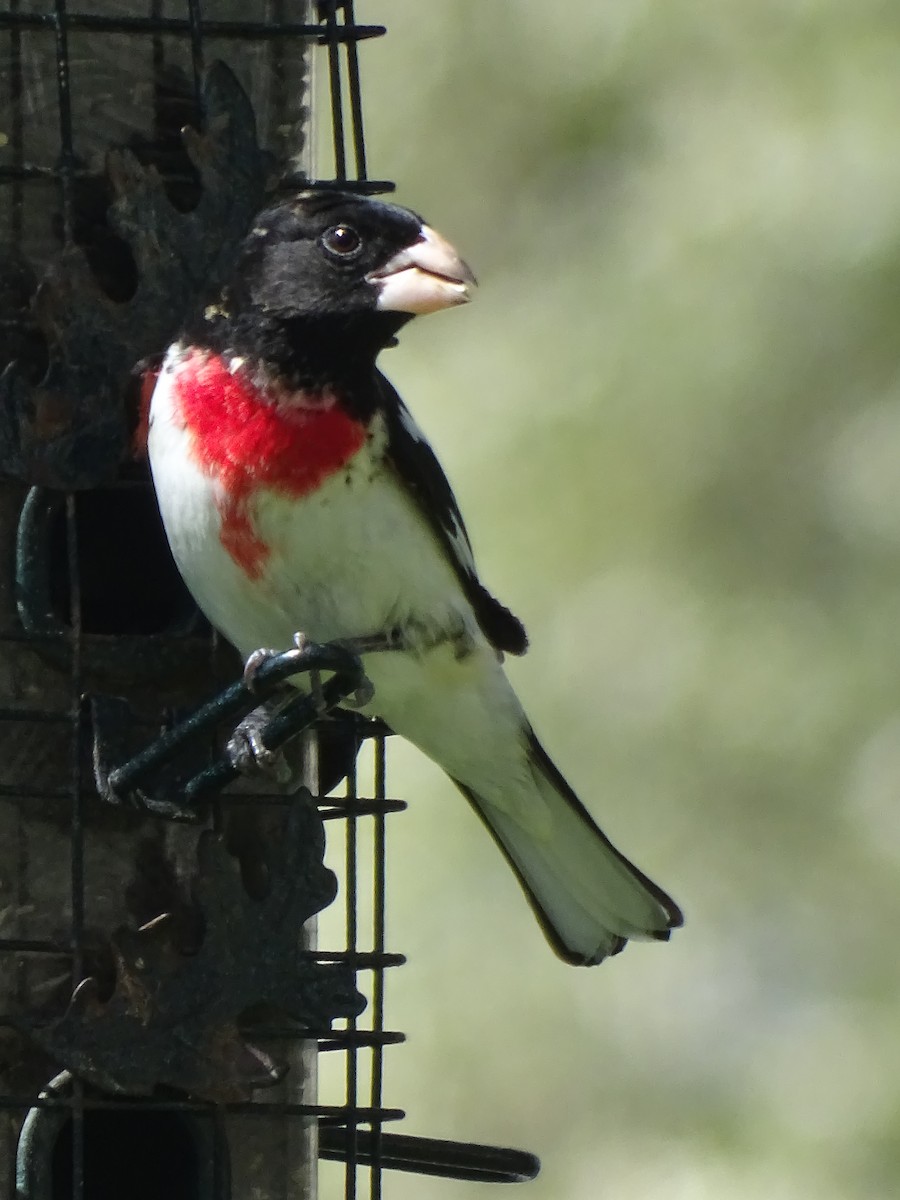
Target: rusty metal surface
pixel 174 1014
pixel 70 428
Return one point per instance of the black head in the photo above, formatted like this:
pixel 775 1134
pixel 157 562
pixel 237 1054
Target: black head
pixel 324 281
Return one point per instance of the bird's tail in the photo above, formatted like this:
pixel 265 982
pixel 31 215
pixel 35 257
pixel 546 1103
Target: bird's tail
pixel 588 898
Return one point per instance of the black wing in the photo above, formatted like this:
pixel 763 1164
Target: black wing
pixel 421 473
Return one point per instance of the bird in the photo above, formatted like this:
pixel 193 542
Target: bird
pixel 300 497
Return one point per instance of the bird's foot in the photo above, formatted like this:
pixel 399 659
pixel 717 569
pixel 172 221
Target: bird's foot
pixel 247 753
pixel 258 659
pixel 362 696
pixel 364 645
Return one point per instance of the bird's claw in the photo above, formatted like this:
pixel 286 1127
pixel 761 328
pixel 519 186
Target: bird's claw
pixel 247 753
pixel 363 695
pixel 255 752
pixel 255 662
pixel 258 659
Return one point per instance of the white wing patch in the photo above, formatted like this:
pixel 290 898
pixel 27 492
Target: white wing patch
pixel 409 424
pixel 461 544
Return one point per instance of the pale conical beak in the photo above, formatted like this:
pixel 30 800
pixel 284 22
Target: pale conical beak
pixel 425 277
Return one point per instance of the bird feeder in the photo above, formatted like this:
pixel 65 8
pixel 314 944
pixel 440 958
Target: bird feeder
pixel 163 1001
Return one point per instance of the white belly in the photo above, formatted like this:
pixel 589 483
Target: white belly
pixel 350 560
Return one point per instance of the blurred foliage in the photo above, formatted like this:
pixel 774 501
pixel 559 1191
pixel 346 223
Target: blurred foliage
pixel 672 416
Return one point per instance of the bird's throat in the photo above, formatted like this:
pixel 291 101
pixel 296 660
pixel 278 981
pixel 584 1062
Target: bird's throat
pixel 251 436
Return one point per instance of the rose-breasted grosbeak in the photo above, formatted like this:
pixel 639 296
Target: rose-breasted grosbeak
pixel 299 494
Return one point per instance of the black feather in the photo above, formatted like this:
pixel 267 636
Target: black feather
pixel 422 475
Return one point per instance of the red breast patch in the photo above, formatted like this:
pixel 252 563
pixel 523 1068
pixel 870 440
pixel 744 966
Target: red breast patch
pixel 247 440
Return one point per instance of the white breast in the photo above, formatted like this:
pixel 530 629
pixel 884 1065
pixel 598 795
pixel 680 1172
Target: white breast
pixel 351 559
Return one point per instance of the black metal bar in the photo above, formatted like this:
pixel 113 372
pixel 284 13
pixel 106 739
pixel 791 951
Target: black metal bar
pixel 16 88
pixel 351 1133
pixel 328 1039
pixel 356 110
pixel 334 84
pixel 67 149
pixel 22 892
pixel 435 1157
pixel 33 567
pixel 77 815
pixel 362 187
pixel 36 716
pixel 77 1109
pixel 362 808
pixel 378 943
pixel 157 45
pixel 17 791
pixel 332 1115
pixel 220 1153
pixel 360 960
pixel 36 638
pixel 362 1037
pixel 32 173
pixel 25 172
pixel 10 19
pixel 195 23
pixel 33 946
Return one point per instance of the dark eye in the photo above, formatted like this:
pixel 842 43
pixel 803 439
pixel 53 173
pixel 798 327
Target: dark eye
pixel 342 240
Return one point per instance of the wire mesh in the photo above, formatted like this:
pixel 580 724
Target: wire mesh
pixel 234 1121
pixel 74 84
pixel 95 610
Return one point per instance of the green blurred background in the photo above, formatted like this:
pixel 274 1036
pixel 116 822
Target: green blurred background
pixel 672 418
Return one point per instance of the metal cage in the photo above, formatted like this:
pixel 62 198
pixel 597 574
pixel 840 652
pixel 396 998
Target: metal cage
pixel 161 1010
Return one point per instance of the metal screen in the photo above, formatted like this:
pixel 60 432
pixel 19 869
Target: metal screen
pixel 141 905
